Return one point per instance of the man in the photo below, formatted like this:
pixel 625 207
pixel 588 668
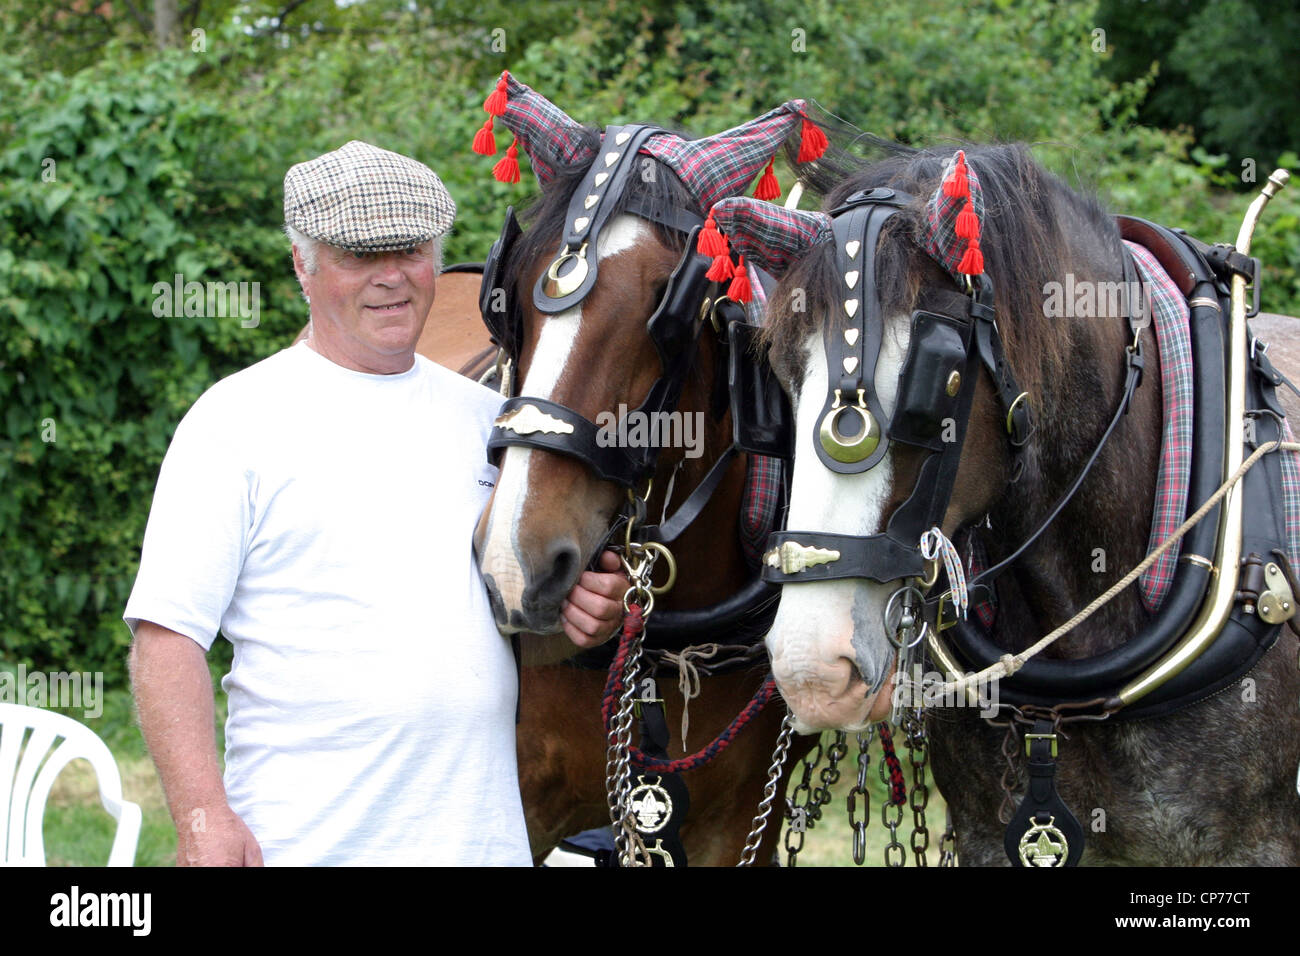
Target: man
pixel 318 509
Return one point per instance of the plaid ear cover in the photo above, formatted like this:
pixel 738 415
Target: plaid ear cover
pixel 712 167
pixel 943 238
pixel 769 236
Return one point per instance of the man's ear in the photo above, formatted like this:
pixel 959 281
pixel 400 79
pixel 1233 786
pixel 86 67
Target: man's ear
pixel 300 269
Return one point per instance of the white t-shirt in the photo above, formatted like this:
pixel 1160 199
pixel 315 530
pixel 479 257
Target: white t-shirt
pixel 322 519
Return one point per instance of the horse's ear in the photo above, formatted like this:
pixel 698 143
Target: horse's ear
pixel 724 164
pixel 768 236
pixel 548 135
pixel 955 219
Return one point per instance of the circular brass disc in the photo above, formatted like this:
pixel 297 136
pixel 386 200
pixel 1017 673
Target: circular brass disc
pixel 558 286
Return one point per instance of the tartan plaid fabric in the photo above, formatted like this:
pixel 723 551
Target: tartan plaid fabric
pixel 547 133
pixel 1291 496
pixel 712 167
pixel 1170 318
pixel 941 212
pixel 769 235
pixel 758 506
pixel 724 164
pixel 366 199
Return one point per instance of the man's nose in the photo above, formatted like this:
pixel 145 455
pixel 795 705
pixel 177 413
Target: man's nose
pixel 386 272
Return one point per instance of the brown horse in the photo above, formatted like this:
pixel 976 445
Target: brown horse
pixel 560 740
pixel 1208 774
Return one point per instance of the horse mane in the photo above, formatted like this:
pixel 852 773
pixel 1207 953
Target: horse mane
pixel 544 218
pixel 1035 230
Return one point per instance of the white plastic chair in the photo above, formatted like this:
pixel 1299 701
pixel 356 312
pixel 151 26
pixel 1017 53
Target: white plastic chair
pixel 23 791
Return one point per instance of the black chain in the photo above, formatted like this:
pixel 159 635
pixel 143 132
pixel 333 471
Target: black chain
pixel 1010 775
pixel 804 807
pixel 919 798
pixel 948 844
pixel 860 790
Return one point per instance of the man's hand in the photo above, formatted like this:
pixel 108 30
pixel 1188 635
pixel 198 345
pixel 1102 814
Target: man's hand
pixel 216 837
pixel 593 611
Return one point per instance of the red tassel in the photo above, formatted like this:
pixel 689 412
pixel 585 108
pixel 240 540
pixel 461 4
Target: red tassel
pixel 812 143
pixel 739 290
pixel 507 169
pixel 768 187
pixel 498 98
pixel 485 144
pixel 721 270
pixel 711 242
pixel 968 224
pixel 958 185
pixel 972 263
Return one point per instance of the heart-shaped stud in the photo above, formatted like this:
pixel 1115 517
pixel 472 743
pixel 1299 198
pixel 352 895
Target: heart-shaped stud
pixel 850 364
pixel 851 278
pixel 611 159
pixel 851 248
pixel 851 336
pixel 601 177
pixel 622 138
pixel 590 201
pixel 851 307
pixel 581 224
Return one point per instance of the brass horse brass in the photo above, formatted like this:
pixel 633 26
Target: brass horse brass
pixel 558 286
pixel 792 557
pixel 527 419
pixel 844 448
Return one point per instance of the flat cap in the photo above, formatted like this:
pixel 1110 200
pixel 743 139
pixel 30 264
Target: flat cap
pixel 366 199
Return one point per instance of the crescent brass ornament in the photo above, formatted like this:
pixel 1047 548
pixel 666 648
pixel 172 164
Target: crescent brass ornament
pixel 557 286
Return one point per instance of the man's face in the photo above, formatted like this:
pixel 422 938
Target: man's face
pixel 368 310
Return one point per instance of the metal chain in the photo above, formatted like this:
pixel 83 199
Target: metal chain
pixel 894 847
pixel 919 798
pixel 628 845
pixel 629 848
pixel 804 816
pixel 1010 775
pixel 769 792
pixel 948 843
pixel 859 789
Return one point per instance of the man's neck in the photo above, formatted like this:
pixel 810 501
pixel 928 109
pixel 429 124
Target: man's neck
pixel 372 364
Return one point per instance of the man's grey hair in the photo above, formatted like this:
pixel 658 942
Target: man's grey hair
pixel 310 249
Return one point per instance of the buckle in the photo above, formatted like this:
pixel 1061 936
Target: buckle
pixel 945 604
pixel 1029 738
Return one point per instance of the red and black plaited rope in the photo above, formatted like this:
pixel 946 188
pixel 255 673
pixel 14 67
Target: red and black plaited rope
pixel 897 782
pixel 632 625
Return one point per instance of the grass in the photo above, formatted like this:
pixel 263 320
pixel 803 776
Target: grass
pixel 79 832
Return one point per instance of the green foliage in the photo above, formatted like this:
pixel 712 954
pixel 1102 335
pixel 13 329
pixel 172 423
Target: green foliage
pixel 172 163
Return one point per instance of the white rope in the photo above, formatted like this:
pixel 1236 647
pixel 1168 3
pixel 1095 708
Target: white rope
pixel 933 545
pixel 1008 664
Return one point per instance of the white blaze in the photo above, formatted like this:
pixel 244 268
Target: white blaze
pixel 817 624
pixel 501 556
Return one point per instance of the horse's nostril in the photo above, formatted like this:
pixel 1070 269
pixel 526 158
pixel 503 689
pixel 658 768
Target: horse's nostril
pixel 494 597
pixel 557 576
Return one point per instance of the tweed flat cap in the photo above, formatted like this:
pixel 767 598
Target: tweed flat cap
pixel 366 199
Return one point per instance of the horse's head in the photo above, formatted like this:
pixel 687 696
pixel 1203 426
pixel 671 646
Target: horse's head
pixel 877 338
pixel 599 304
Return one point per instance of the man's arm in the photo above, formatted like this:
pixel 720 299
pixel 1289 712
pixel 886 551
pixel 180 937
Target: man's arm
pixel 173 691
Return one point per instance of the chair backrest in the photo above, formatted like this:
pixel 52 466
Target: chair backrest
pixel 26 776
